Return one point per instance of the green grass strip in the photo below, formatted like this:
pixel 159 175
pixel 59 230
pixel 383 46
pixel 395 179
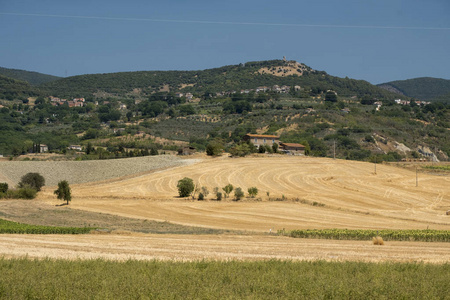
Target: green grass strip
pixel 14 227
pixel 100 279
pixel 445 168
pixel 426 235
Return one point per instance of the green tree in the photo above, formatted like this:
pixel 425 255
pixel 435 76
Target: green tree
pixel 63 192
pixel 242 149
pixel 214 148
pixel 153 151
pixel 252 191
pixel 129 116
pixel 228 189
pixel 262 149
pixel 331 96
pixel 307 147
pixel 217 193
pixel 89 148
pixel 275 147
pixel 185 187
pixel 205 191
pixel 34 180
pixel 25 192
pixel 238 194
pixel 3 187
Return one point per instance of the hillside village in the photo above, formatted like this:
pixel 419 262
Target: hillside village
pixel 309 111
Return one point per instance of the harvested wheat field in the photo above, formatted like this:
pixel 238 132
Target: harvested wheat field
pixel 215 247
pixel 316 193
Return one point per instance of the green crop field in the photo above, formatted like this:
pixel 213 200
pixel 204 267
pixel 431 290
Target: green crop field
pixel 14 227
pixel 426 235
pixel 100 279
pixel 443 168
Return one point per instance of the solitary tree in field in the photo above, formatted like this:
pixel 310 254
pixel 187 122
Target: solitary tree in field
pixel 185 187
pixel 63 192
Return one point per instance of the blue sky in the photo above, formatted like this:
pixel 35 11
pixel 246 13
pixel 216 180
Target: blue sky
pixel 374 40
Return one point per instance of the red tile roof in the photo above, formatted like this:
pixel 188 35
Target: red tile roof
pixel 293 145
pixel 263 136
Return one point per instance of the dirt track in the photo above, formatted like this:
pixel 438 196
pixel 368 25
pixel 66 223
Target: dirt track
pixel 215 247
pixel 353 195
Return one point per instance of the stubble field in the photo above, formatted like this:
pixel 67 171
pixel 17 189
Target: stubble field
pixel 315 193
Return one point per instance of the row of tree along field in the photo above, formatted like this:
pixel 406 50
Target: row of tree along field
pixel 30 184
pixel 273 279
pixel 187 187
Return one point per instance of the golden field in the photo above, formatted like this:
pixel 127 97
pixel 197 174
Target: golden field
pixel 352 194
pixel 294 193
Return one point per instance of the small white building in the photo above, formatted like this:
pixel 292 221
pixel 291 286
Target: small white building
pixel 75 147
pixel 43 148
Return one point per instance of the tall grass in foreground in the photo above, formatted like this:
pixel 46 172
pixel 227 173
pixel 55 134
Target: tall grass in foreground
pixel 100 279
pixel 426 235
pixel 14 227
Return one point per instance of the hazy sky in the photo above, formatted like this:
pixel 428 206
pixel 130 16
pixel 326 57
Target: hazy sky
pixel 374 40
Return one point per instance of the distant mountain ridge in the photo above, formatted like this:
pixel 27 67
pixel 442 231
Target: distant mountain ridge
pixel 33 78
pixel 423 88
pixel 230 78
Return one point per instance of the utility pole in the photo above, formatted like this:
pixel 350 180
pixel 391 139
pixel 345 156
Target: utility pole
pixel 417 178
pixel 334 149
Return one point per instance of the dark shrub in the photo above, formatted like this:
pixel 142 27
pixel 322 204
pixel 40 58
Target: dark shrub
pixel 34 180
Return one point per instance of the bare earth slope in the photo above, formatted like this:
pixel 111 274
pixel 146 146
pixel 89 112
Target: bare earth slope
pixel 86 171
pixel 353 195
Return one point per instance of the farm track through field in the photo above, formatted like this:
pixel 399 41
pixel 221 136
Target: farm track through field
pixel 320 193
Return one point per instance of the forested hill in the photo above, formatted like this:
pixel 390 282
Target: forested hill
pixel 33 78
pixel 424 88
pixel 15 89
pixel 224 79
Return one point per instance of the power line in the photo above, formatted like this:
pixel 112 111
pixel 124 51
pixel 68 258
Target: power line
pixel 226 23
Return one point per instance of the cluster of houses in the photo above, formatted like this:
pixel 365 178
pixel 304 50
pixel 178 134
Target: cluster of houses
pixel 276 88
pixel 378 104
pixel 407 102
pixel 261 89
pixel 189 96
pixel 269 140
pixel 75 102
pixel 43 148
